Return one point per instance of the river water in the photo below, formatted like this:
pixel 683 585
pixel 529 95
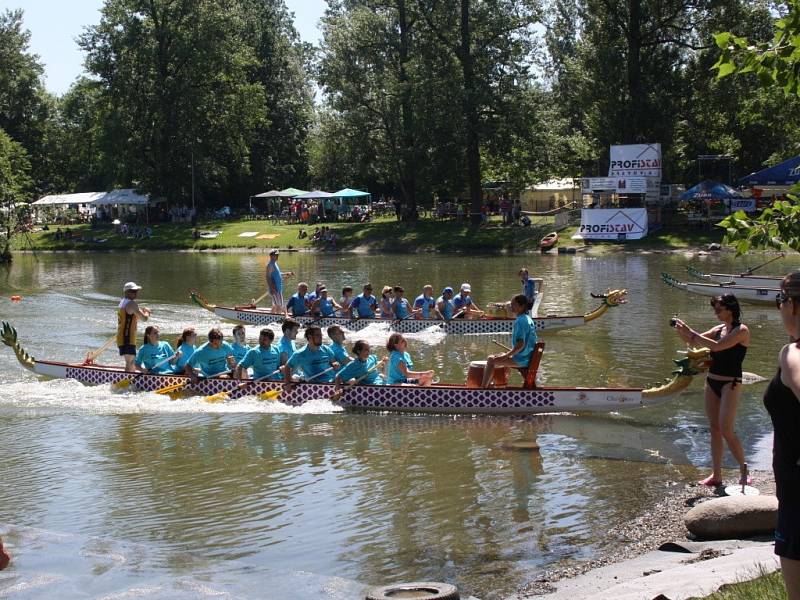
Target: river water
pixel 112 495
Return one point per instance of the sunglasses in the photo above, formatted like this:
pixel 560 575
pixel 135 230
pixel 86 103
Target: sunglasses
pixel 214 337
pixel 780 298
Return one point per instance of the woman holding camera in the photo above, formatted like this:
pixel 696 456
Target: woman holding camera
pixel 728 343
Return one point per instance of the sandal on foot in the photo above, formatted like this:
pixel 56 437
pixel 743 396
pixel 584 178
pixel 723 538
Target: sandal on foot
pixel 710 481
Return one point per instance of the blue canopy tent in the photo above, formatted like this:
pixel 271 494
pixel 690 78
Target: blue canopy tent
pixel 785 173
pixel 348 193
pixel 710 190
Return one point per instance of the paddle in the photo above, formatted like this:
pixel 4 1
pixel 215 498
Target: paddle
pixel 337 395
pixel 172 388
pixel 260 298
pixel 93 354
pixel 220 396
pixel 272 394
pixel 123 383
pixel 751 269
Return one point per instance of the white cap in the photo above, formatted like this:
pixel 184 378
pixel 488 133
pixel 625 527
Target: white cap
pixel 273 252
pixel 465 287
pixel 130 286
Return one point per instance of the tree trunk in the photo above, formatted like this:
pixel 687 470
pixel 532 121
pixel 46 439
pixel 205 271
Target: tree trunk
pixel 635 93
pixel 471 118
pixel 409 151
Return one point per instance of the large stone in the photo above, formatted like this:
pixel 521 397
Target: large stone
pixel 733 517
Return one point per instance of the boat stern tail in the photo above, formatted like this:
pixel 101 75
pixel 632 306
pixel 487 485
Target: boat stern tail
pixel 198 299
pixel 610 298
pixel 10 339
pixel 670 280
pixel 695 362
pixel 695 273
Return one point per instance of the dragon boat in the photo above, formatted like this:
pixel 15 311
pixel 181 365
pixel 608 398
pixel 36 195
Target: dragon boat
pixel 744 293
pixel 747 279
pixel 260 316
pixel 439 398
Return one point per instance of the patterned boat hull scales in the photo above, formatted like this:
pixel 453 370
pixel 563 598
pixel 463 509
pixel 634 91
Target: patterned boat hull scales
pixel 258 316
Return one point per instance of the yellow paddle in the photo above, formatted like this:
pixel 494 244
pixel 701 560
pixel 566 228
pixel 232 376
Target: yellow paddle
pixel 172 388
pixel 123 383
pixel 221 396
pixel 93 354
pixel 274 394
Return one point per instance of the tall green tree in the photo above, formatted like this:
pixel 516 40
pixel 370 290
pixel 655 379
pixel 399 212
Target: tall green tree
pixel 15 184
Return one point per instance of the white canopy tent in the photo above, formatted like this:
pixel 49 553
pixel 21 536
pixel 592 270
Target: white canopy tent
pixel 110 203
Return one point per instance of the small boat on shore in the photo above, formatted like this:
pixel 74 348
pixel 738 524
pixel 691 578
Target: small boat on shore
pixel 744 293
pixel 549 241
pixel 738 279
pixel 262 316
pixel 439 398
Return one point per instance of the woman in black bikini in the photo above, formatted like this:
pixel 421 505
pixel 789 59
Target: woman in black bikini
pixel 782 400
pixel 728 344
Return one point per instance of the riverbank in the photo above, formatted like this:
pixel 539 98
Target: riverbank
pixel 662 523
pixel 381 235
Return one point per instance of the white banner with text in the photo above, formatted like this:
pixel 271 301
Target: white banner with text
pixel 612 224
pixel 635 160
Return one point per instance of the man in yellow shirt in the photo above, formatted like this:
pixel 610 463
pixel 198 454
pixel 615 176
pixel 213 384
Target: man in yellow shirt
pixel 128 314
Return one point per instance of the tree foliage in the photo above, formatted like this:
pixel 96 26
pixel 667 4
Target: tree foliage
pixel 14 184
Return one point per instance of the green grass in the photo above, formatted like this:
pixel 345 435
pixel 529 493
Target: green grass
pixel 383 234
pixel 764 587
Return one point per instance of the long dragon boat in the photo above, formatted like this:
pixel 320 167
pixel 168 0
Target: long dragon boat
pixel 744 293
pixel 438 398
pixel 747 279
pixel 260 316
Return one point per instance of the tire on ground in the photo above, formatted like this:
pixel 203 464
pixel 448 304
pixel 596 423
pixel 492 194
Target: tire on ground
pixel 436 591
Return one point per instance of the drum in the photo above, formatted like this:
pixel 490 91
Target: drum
pixel 475 375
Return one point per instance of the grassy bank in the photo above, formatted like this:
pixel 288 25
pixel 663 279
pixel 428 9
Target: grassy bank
pixel 384 234
pixel 766 587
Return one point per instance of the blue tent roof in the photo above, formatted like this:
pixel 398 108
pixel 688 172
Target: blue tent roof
pixel 785 173
pixel 710 189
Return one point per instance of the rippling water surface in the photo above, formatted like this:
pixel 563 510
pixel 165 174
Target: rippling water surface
pixel 114 495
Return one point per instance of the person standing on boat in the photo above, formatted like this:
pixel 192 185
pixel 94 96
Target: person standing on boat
pixel 184 348
pixel 425 304
pixel 128 314
pixel 528 286
pixel 315 360
pixel 264 359
pixel 363 370
pixel 782 401
pixel 275 282
pixel 364 304
pixel 298 303
pixel 444 304
pixel 239 345
pixel 153 352
pixel 400 369
pixel 728 343
pixel 337 345
pixel 287 345
pixel 465 307
pixel 214 358
pixel 523 342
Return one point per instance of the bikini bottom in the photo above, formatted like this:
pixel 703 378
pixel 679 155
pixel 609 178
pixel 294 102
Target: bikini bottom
pixel 716 385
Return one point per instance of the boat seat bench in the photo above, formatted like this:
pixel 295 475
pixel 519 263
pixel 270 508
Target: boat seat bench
pixel 529 373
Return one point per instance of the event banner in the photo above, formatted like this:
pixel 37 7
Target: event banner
pixel 612 224
pixel 635 160
pixel 745 204
pixel 619 185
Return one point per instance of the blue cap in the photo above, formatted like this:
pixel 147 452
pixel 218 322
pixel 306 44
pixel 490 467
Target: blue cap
pixel 447 289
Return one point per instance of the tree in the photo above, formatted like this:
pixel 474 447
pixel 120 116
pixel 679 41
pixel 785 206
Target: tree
pixel 776 64
pixel 15 184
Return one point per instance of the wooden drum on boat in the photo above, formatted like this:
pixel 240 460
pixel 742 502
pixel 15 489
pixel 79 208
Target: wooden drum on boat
pixel 475 375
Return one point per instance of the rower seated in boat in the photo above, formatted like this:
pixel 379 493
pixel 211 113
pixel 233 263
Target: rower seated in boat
pixel 364 305
pixel 315 360
pixel 386 302
pixel 184 348
pixel 345 301
pixel 363 370
pixel 324 306
pixel 400 369
pixel 264 359
pixel 336 334
pixel 444 304
pixel 151 357
pixel 298 303
pixel 214 358
pixel 523 340
pixel 464 305
pixel 425 304
pixel 239 345
pixel 400 306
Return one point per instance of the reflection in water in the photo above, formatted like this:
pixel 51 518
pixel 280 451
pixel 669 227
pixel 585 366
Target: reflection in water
pixel 231 495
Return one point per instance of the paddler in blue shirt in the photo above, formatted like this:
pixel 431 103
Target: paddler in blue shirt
pixel 363 370
pixel 215 357
pixel 275 282
pixel 153 356
pixel 444 304
pixel 264 359
pixel 184 348
pixel 400 306
pixel 239 345
pixel 425 304
pixel 315 360
pixel 528 286
pixel 465 307
pixel 523 340
pixel 298 303
pixel 287 345
pixel 323 305
pixel 337 345
pixel 365 304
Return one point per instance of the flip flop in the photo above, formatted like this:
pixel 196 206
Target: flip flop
pixel 710 481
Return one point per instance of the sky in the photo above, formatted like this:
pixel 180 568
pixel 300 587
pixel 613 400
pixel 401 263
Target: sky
pixel 56 24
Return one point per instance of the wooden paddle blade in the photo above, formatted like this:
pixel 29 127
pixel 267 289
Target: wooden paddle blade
pixel 171 388
pixel 270 395
pixel 122 384
pixel 219 397
pixel 178 394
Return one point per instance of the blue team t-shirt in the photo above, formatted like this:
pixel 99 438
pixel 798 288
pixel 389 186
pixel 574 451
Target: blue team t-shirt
pixel 359 368
pixel 364 306
pixel 274 275
pixel 326 307
pixel 150 355
pixel 529 289
pixel 297 305
pixel 186 351
pixel 460 302
pixel 313 363
pixel 339 352
pixel 264 361
pixel 427 305
pixel 525 331
pixel 447 307
pixel 394 375
pixel 211 361
pixel 401 308
pixel 239 351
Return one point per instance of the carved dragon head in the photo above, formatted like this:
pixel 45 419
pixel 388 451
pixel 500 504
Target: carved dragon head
pixel 10 339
